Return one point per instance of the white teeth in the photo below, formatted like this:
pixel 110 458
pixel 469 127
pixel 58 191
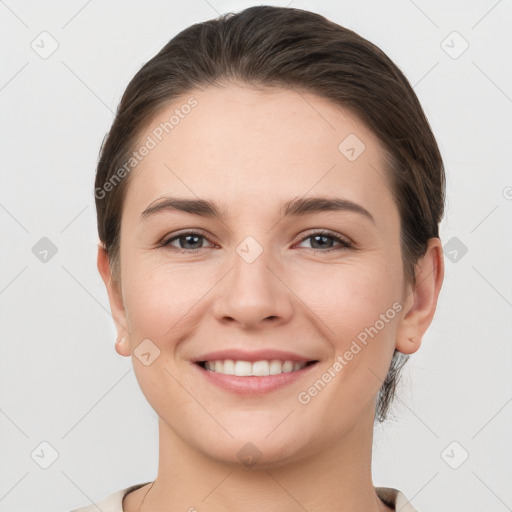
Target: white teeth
pixel 275 367
pixel 228 367
pixel 243 368
pixel 288 367
pixel 260 368
pixel 257 368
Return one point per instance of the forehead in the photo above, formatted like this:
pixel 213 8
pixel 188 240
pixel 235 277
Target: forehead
pixel 246 147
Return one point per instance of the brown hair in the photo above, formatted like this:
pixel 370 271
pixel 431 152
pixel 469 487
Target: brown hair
pixel 266 46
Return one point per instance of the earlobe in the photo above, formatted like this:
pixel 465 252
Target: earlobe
pixel 423 299
pixel 407 345
pixel 123 347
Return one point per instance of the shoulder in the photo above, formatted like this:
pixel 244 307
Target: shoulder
pixel 394 498
pixel 112 503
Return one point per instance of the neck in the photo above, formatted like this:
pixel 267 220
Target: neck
pixel 337 478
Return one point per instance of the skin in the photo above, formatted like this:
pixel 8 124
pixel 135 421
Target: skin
pixel 248 150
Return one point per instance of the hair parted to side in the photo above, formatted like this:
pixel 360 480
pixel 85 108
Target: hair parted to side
pixel 266 47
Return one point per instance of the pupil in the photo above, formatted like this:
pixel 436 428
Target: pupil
pixel 316 237
pixel 188 239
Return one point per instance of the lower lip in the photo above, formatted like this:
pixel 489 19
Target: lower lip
pixel 254 385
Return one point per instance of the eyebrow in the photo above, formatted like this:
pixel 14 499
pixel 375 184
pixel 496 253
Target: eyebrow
pixel 294 207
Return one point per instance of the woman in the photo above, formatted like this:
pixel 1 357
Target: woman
pixel 268 203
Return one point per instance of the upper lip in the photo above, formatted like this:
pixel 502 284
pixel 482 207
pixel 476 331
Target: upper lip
pixel 257 355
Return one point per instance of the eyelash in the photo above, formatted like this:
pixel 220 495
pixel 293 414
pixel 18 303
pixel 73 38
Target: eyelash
pixel 346 244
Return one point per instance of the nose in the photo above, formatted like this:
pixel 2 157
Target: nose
pixel 254 294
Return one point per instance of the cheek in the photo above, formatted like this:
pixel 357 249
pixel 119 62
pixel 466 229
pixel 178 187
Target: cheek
pixel 159 298
pixel 357 307
pixel 160 303
pixel 350 296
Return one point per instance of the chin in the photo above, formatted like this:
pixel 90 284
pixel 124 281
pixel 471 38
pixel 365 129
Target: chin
pixel 258 454
pixel 250 444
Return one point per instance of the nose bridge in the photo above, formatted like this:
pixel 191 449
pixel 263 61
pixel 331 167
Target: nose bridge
pixel 252 291
pixel 251 272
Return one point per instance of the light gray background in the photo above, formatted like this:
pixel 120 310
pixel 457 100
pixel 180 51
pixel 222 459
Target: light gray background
pixel 62 381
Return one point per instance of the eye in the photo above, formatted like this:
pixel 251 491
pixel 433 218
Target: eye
pixel 321 239
pixel 189 242
pixel 192 241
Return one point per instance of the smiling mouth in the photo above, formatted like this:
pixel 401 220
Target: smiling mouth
pixel 261 368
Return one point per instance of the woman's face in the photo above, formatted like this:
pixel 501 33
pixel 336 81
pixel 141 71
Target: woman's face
pixel 267 279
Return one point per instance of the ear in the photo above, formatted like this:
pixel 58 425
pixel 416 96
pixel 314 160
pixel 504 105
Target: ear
pixel 420 301
pixel 115 298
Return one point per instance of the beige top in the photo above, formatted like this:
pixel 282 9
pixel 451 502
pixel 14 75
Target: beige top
pixel 114 502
